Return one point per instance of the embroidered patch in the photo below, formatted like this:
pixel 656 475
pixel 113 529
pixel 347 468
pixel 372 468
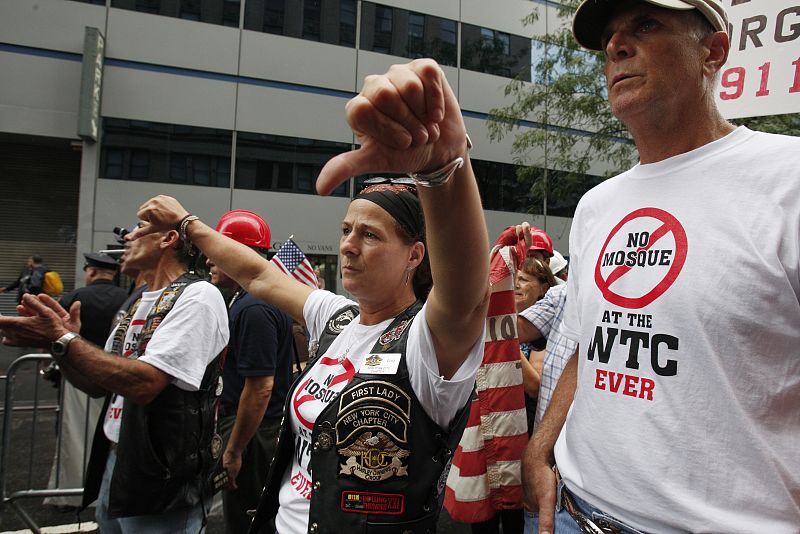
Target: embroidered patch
pixel 155 323
pixel 372 431
pixel 337 324
pixel 366 502
pixel 394 334
pixel 165 302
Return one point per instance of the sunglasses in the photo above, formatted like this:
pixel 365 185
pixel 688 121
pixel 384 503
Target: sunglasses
pixel 384 183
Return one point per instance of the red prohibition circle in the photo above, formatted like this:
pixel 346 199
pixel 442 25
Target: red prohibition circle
pixel 670 224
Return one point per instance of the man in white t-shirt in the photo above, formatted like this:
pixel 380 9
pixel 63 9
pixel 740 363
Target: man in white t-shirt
pixel 684 299
pixel 155 442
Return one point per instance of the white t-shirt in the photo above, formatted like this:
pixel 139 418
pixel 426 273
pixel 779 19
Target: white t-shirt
pixel 441 399
pixel 192 334
pixel 684 296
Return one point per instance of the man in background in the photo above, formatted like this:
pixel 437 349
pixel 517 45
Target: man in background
pixel 155 444
pixel 678 410
pixel 256 378
pixel 559 266
pixel 30 279
pixel 100 299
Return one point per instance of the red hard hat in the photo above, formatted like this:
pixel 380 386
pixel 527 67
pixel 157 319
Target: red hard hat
pixel 245 227
pixel 540 241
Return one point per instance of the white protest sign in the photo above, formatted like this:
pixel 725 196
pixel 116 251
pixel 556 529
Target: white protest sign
pixel 762 75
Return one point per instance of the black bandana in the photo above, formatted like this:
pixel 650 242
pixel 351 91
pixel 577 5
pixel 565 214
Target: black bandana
pixel 401 204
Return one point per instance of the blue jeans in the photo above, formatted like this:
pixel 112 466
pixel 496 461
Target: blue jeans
pixel 565 524
pixel 183 521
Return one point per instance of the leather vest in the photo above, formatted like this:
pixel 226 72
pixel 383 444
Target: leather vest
pixel 167 448
pixel 378 462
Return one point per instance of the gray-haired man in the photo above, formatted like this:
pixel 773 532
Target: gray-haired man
pixel 684 298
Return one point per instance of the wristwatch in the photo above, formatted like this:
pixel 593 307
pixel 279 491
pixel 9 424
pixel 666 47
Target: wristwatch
pixel 60 346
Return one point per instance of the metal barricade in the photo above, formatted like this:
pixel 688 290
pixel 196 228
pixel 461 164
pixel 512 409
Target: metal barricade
pixel 36 445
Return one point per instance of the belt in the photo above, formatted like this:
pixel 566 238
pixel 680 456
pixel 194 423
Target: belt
pixel 586 524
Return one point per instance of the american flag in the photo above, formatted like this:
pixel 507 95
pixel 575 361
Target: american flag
pixel 291 260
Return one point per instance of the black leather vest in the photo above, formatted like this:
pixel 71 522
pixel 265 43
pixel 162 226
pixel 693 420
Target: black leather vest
pixel 378 462
pixel 167 449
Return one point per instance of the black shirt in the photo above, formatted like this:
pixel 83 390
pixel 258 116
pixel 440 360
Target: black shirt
pixel 100 301
pixel 260 345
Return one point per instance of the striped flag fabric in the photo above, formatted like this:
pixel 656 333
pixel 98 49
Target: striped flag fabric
pixel 291 260
pixel 485 476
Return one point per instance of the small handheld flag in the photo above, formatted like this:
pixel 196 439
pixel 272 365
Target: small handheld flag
pixel 291 260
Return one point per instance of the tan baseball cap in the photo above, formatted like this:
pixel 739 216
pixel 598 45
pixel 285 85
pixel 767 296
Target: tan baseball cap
pixel 592 16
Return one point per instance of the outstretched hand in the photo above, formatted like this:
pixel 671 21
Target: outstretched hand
pixel 518 237
pixel 41 320
pixel 406 120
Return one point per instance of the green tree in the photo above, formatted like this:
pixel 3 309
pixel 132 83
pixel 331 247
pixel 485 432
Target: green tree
pixel 573 124
pixel 788 124
pixel 569 95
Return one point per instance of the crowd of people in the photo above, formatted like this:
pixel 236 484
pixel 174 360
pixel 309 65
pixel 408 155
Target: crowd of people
pixel 659 364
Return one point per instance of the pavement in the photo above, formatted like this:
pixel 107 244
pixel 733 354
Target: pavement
pixel 30 453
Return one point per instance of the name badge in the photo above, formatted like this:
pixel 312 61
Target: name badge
pixel 381 364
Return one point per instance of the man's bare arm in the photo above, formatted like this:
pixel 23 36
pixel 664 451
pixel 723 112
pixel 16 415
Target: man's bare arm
pixel 526 331
pixel 42 320
pixel 538 478
pixel 253 403
pixel 137 381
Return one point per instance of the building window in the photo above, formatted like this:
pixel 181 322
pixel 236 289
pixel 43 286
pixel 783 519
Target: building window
pixel 382 32
pixel 565 189
pixel 504 188
pixel 425 35
pixel 145 6
pixel 167 153
pixel 311 19
pixel 140 164
pixel 190 10
pixel 274 13
pixel 416 35
pixel 326 21
pixel 500 190
pixel 222 12
pixel 445 43
pixel 230 13
pixel 495 52
pixel 268 162
pixel 114 163
pixel 347 23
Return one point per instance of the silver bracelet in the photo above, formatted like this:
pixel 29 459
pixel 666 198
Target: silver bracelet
pixel 440 176
pixel 183 225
